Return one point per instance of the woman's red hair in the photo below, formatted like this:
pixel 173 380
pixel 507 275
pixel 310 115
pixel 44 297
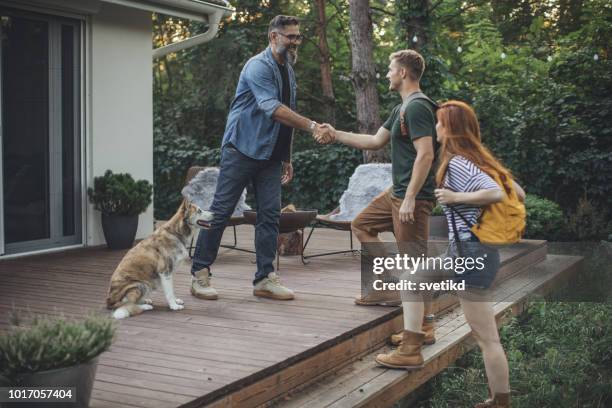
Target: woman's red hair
pixel 463 138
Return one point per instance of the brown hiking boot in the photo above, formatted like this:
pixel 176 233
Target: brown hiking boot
pixel 408 355
pixel 499 401
pixel 200 285
pixel 379 298
pixel 427 328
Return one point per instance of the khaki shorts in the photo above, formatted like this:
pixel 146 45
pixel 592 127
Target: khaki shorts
pixel 382 215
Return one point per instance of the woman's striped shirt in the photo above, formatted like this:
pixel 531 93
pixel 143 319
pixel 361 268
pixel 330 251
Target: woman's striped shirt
pixel 462 175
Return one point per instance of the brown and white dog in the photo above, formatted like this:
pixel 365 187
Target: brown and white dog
pixel 152 263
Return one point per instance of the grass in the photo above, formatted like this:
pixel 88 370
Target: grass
pixel 559 351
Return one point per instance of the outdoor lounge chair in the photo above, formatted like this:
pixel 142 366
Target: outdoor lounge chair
pixel 324 221
pixel 367 181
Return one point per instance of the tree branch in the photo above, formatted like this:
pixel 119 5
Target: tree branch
pixel 435 6
pixel 381 10
pixel 445 19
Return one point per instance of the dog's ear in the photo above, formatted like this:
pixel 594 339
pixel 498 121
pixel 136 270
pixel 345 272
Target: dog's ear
pixel 185 204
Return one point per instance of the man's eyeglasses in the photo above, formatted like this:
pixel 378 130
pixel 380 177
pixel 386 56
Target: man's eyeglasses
pixel 292 37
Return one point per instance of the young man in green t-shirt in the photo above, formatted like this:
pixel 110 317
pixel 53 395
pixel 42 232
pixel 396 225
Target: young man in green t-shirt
pixel 404 208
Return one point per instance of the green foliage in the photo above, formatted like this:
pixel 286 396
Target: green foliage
pixel 173 155
pixel 548 366
pixel 543 108
pixel 544 218
pixel 437 210
pixel 45 343
pixel 588 223
pixel 321 176
pixel 120 194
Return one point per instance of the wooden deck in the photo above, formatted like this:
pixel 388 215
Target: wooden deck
pixel 241 350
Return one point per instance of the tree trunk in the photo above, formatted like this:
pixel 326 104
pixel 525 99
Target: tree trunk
pixel 325 64
pixel 363 75
pixel 413 19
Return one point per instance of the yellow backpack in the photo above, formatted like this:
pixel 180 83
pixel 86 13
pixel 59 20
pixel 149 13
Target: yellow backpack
pixel 502 222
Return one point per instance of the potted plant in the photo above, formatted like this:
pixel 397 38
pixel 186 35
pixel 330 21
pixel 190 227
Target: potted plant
pixel 54 352
pixel 121 200
pixel 438 227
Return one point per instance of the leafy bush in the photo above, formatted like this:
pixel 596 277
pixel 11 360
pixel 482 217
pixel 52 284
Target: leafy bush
pixel 45 343
pixel 548 366
pixel 544 218
pixel 320 176
pixel 437 210
pixel 119 194
pixel 172 157
pixel 588 222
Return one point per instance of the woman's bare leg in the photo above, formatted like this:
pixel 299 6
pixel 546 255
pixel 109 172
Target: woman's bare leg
pixel 481 318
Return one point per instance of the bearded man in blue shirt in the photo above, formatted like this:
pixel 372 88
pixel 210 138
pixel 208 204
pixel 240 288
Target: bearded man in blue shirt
pixel 256 149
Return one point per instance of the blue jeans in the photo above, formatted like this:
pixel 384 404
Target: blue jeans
pixel 236 172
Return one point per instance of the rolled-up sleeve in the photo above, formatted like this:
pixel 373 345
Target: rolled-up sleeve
pixel 260 79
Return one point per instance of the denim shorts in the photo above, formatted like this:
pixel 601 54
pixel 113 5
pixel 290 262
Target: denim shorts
pixel 486 258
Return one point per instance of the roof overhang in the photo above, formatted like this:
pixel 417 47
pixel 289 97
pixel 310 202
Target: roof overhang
pixel 190 9
pixel 197 10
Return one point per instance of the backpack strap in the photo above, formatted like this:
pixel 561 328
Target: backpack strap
pixel 452 207
pixel 453 212
pixel 412 97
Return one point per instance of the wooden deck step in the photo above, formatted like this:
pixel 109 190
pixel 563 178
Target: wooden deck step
pixel 277 381
pixel 238 351
pixel 363 384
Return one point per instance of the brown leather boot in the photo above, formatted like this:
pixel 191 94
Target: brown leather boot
pixel 408 355
pixel 499 401
pixel 379 298
pixel 427 328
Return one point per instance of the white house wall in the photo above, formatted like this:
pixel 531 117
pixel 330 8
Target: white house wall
pixel 120 98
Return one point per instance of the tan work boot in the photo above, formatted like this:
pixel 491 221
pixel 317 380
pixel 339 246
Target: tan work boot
pixel 271 287
pixel 408 355
pixel 427 328
pixel 200 285
pixel 499 401
pixel 379 298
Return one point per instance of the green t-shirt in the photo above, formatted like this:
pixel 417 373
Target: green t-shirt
pixel 420 120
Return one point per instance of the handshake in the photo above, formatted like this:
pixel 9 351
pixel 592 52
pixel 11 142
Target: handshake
pixel 324 133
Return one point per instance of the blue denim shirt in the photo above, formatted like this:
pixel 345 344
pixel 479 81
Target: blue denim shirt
pixel 250 127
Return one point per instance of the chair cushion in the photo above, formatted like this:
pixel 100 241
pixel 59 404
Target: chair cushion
pixel 201 183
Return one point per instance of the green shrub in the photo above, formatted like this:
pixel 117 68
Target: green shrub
pixel 559 355
pixel 320 176
pixel 544 219
pixel 588 222
pixel 172 157
pixel 45 343
pixel 120 194
pixel 437 210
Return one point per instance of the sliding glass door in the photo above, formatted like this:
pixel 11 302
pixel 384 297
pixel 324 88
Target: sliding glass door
pixel 40 131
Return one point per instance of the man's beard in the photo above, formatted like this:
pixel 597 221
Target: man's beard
pixel 289 55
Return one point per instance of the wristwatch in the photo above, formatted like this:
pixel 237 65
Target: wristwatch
pixel 312 126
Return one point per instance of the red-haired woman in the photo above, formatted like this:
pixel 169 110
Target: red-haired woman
pixel 465 177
